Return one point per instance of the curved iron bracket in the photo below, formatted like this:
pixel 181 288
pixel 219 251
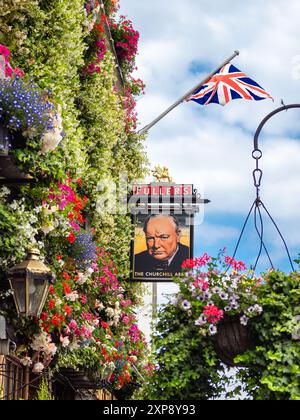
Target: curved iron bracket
pixel 267 118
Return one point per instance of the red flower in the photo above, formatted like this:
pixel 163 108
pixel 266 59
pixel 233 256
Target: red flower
pixel 71 216
pixel 66 276
pixel 67 310
pixel 104 325
pixel 121 380
pixel 71 238
pixel 51 290
pixel 51 304
pixel 44 316
pixel 56 320
pixel 67 288
pixel 213 314
pixel 59 258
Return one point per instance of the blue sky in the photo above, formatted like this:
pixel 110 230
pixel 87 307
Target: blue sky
pixel 211 146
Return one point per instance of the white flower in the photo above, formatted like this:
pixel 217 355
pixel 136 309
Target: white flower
pixel 217 290
pixel 244 320
pixel 65 342
pixel 38 368
pixel 74 346
pixel 258 309
pixel 250 310
pixel 110 312
pixel 46 229
pixel 174 302
pixel 213 330
pixel 82 279
pixel 90 271
pixel 26 361
pixel 72 297
pixel 99 305
pixel 227 308
pixel 51 349
pixel 234 305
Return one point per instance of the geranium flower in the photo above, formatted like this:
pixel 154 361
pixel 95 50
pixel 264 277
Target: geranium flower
pixel 213 314
pixel 71 238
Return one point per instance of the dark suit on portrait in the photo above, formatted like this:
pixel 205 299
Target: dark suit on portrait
pixel 145 262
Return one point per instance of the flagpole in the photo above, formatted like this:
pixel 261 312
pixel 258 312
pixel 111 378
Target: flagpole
pixel 189 93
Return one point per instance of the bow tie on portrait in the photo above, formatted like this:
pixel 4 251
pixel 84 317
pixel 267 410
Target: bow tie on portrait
pixel 162 265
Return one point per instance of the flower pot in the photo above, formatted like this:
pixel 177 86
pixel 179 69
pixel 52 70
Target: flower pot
pixel 5 140
pixel 79 379
pixel 10 174
pixel 232 339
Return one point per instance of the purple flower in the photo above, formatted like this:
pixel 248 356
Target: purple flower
pixel 201 321
pixel 244 320
pixel 186 305
pixel 213 330
pixel 223 296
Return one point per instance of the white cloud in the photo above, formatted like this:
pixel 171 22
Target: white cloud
pixel 211 146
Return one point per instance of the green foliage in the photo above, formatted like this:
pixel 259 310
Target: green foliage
pixel 44 393
pixel 188 365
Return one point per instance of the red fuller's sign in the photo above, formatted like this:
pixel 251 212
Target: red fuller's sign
pixel 163 190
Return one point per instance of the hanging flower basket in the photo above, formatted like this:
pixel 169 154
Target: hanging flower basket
pixel 82 379
pixel 232 339
pixel 25 109
pixel 5 140
pixel 9 171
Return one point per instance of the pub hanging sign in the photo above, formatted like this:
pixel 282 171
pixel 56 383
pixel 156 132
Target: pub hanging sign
pixel 163 218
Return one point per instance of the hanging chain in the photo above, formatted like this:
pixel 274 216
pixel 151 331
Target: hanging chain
pixel 257 173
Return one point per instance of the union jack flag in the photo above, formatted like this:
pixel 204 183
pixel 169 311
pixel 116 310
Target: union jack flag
pixel 227 84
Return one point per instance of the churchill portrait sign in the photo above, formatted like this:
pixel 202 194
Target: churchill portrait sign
pixel 162 242
pixel 163 236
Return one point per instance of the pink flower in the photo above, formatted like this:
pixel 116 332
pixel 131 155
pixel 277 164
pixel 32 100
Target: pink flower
pixel 75 226
pixel 95 267
pixel 125 303
pixel 204 285
pixel 73 325
pixel 62 205
pixel 18 72
pixel 236 265
pixel 4 51
pixel 125 320
pixel 83 300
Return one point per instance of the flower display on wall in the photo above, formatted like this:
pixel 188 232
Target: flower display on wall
pixel 89 320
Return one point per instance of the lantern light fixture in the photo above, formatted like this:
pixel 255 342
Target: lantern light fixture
pixel 30 281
